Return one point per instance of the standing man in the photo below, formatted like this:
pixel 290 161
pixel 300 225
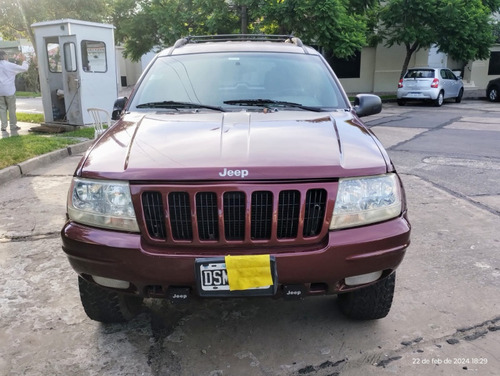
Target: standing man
pixel 8 72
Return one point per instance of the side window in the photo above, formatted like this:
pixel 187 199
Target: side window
pixel 69 57
pixel 443 74
pixel 54 56
pixel 94 56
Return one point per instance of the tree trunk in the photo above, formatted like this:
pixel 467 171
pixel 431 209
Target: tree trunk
pixel 244 19
pixel 26 23
pixel 409 53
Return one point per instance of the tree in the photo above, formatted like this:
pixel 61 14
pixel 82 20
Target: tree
pixel 469 31
pixel 145 24
pixel 461 28
pixel 333 24
pixel 327 23
pixel 496 32
pixel 17 16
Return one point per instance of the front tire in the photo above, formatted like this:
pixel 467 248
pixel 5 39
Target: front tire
pixel 493 94
pixel 107 306
pixel 371 302
pixel 458 99
pixel 439 100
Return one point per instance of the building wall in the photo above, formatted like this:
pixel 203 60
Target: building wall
pixel 478 70
pixel 363 84
pixel 381 69
pixel 128 71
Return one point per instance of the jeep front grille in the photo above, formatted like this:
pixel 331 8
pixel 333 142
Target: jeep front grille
pixel 261 214
pixel 180 216
pixel 206 216
pixel 154 214
pixel 231 214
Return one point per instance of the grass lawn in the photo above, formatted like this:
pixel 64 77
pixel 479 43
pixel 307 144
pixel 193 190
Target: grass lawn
pixel 30 118
pixel 29 94
pixel 16 149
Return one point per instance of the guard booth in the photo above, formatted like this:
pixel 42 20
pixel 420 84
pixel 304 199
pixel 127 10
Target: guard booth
pixel 77 66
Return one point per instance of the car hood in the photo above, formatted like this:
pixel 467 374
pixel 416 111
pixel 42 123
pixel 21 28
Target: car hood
pixel 245 145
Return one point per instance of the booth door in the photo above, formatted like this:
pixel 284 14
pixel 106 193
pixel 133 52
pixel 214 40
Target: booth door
pixel 71 80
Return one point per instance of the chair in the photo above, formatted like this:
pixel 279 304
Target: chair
pixel 101 117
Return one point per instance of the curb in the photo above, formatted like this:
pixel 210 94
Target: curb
pixel 26 167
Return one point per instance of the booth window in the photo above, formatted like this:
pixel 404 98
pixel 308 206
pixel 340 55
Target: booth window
pixel 69 57
pixel 54 57
pixel 94 56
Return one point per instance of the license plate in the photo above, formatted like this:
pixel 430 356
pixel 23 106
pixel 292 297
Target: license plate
pixel 212 280
pixel 213 276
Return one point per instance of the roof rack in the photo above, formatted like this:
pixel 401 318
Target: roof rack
pixel 237 38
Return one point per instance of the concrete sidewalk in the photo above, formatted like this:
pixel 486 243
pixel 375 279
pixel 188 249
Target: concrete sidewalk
pixel 25 127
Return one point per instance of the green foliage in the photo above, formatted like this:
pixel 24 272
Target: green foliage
pixel 159 23
pixel 408 23
pixel 16 16
pixel 461 28
pixel 327 23
pixel 492 5
pixel 338 25
pixel 31 78
pixel 467 33
pixel 496 32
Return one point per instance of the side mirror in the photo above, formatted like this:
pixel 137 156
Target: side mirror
pixel 367 104
pixel 118 108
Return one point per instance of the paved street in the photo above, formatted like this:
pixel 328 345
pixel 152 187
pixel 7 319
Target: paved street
pixel 445 318
pixel 29 105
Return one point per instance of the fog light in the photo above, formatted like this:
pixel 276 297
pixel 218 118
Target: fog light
pixel 363 278
pixel 108 282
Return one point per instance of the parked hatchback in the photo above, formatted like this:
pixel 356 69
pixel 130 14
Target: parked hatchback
pixel 429 84
pixel 238 168
pixel 493 90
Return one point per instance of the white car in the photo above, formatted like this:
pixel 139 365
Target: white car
pixel 430 84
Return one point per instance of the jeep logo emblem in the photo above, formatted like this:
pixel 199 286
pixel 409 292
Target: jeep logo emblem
pixel 239 173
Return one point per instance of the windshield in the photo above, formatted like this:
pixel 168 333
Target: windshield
pixel 232 80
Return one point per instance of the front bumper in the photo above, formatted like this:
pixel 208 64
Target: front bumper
pixel 343 253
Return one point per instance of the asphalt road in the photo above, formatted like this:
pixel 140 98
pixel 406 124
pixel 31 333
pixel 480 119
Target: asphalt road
pixel 29 105
pixel 444 320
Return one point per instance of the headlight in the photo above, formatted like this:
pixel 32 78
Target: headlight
pixel 102 203
pixel 366 200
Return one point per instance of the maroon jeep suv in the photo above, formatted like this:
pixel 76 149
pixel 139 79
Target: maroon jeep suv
pixel 237 168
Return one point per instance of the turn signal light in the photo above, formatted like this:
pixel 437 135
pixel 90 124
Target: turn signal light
pixel 435 83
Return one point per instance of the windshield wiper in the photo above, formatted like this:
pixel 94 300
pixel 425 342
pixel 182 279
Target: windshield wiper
pixel 271 102
pixel 176 105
